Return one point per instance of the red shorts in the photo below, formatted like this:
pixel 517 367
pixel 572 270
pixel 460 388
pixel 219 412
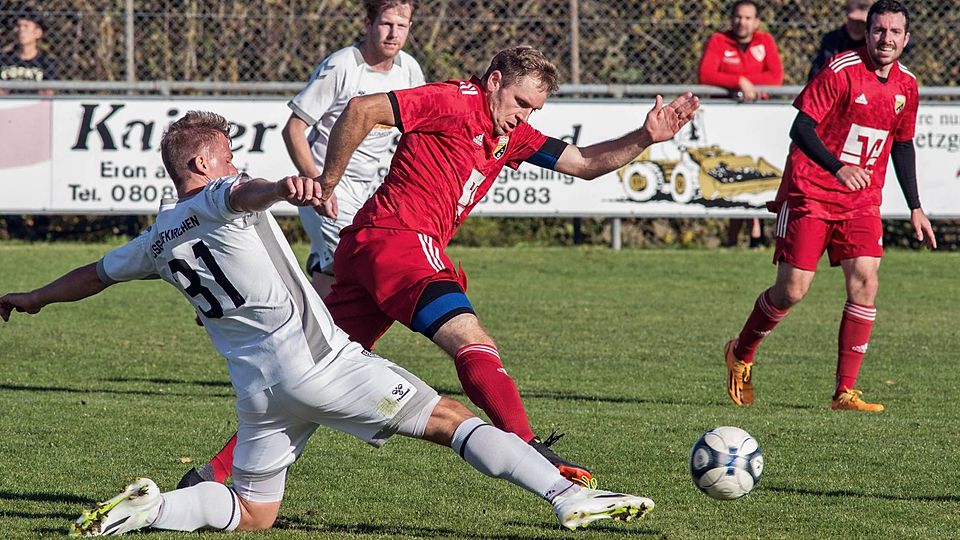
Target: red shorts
pixel 380 275
pixel 802 239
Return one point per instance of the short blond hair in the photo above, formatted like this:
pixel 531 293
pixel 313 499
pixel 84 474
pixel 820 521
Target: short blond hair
pixel 374 8
pixel 518 62
pixel 186 138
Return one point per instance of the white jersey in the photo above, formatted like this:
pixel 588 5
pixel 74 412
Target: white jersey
pixel 340 77
pixel 240 274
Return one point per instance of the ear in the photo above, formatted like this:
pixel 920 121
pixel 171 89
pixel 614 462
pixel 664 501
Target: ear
pixel 494 80
pixel 906 39
pixel 199 164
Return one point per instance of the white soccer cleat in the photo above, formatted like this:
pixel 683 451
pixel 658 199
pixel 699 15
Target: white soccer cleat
pixel 134 508
pixel 589 505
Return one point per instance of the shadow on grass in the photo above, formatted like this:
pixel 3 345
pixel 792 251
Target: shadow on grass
pixel 156 380
pixel 68 498
pixel 444 390
pixel 295 523
pixel 848 493
pixel 699 401
pixel 64 389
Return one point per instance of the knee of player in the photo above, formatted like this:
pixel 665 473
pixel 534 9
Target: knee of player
pixel 789 295
pixel 445 419
pixel 256 517
pixel 452 412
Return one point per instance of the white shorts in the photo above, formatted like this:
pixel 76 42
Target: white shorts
pixel 357 392
pixel 324 232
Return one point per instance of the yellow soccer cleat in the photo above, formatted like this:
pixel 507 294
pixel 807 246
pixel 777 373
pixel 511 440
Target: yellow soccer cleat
pixel 739 383
pixel 850 401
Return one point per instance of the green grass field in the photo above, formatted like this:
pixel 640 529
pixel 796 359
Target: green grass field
pixel 620 350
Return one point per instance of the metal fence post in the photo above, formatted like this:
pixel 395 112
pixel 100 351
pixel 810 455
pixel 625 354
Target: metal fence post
pixel 616 236
pixel 128 37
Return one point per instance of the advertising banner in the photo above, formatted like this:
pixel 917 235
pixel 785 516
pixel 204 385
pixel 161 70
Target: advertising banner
pixel 99 155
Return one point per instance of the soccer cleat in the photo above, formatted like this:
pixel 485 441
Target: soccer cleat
pixel 191 478
pixel 849 400
pixel 589 505
pixel 739 383
pixel 571 471
pixel 134 508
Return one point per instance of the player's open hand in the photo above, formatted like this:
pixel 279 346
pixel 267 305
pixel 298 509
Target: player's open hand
pixel 299 191
pixel 922 230
pixel 853 177
pixel 22 302
pixel 663 122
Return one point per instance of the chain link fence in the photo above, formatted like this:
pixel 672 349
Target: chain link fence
pixel 592 41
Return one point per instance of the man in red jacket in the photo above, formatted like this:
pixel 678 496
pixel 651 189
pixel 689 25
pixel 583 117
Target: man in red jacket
pixel 742 58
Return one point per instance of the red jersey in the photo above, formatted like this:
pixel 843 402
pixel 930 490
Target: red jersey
pixel 724 61
pixel 446 161
pixel 858 119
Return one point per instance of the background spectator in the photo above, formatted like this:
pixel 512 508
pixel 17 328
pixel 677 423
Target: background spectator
pixel 23 61
pixel 846 38
pixel 742 57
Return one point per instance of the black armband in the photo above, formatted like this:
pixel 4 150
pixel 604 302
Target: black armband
pixel 905 164
pixel 804 135
pixel 548 154
pixel 396 110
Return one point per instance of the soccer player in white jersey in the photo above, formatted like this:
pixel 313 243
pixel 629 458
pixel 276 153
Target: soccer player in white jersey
pixel 291 367
pixel 376 64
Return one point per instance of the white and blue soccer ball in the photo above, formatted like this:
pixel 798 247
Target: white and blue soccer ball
pixel 726 463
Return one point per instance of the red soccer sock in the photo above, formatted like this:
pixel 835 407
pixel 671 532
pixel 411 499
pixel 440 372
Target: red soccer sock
pixel 489 387
pixel 222 463
pixel 764 317
pixel 855 328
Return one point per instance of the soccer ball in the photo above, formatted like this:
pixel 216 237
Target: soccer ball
pixel 726 463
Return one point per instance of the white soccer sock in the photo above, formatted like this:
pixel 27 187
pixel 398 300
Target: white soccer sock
pixel 207 504
pixel 503 455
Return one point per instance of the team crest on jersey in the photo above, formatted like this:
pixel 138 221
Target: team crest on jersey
pixel 899 101
pixel 501 147
pixel 759 52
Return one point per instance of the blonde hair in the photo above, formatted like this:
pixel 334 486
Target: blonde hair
pixel 188 137
pixel 518 62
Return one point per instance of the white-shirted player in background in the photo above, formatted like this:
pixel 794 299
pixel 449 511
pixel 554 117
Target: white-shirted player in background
pixel 291 367
pixel 376 64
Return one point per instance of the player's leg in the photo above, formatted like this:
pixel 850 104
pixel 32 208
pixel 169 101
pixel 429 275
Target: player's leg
pixel 349 394
pixel 504 455
pixel 320 261
pixel 444 314
pixel 268 442
pixel 857 248
pixel 218 469
pixel 800 243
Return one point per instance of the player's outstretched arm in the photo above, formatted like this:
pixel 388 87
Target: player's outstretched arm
pixel 70 287
pixel 358 119
pixel 661 124
pixel 258 194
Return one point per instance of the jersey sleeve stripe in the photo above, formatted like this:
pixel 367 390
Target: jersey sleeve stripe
pixel 838 67
pixel 844 57
pixel 302 113
pixel 905 70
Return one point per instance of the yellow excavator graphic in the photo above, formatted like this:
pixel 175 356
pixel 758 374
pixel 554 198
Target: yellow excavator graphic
pixel 700 171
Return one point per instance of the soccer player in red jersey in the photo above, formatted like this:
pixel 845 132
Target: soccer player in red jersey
pixel 854 115
pixel 457 137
